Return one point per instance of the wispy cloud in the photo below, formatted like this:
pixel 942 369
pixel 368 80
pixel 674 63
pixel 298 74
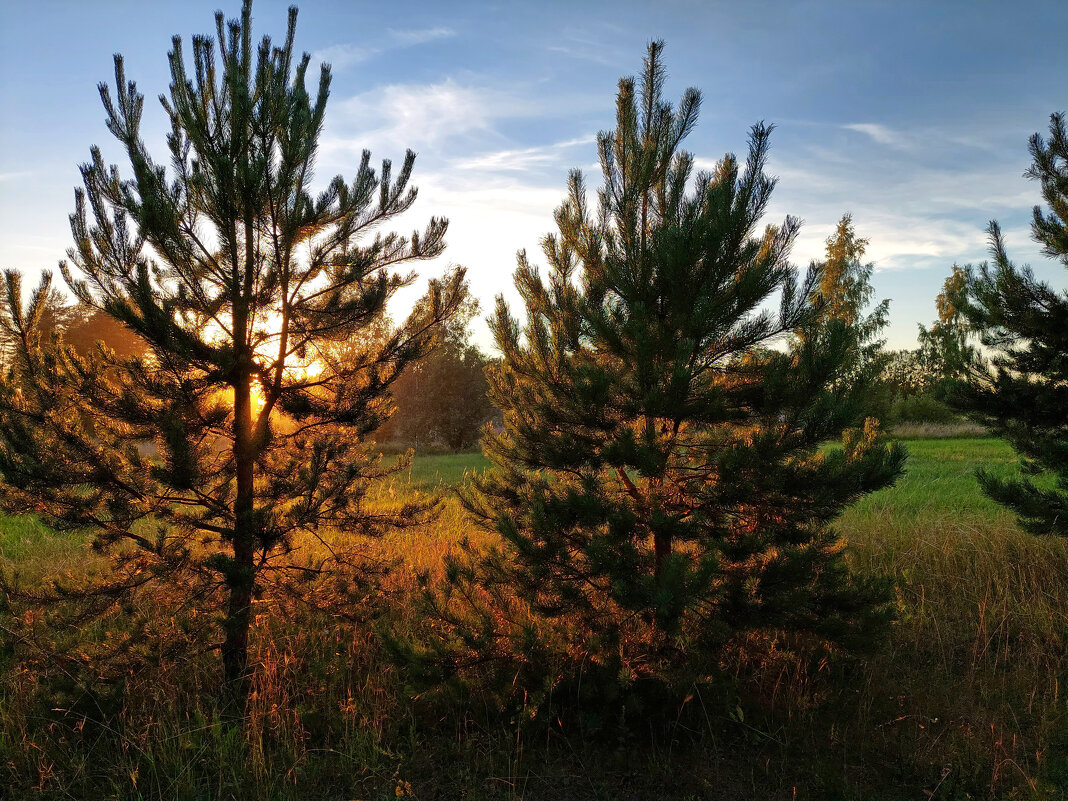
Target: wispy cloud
pixel 523 159
pixel 914 217
pixel 342 56
pixel 881 134
pixel 444 118
pixel 345 55
pixel 475 166
pixel 417 36
pixel 597 43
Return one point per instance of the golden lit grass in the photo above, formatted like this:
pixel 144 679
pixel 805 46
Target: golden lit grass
pixel 963 701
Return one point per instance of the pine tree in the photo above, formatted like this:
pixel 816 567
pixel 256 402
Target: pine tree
pixel 207 466
pixel 57 315
pixel 1020 391
pixel 660 486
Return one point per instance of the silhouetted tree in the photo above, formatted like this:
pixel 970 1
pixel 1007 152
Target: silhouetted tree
pixel 660 485
pixel 90 327
pixel 1020 391
pixel 234 273
pixel 443 399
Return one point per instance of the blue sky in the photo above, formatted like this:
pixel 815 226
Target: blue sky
pixel 914 116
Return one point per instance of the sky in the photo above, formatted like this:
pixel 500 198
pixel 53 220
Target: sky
pixel 912 116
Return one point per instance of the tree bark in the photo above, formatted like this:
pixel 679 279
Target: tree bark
pixel 661 551
pixel 241 577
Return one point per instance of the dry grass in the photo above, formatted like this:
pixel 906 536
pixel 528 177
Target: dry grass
pixel 939 430
pixel 963 701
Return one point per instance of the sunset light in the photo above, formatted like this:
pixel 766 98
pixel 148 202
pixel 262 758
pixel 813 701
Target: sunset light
pixel 603 401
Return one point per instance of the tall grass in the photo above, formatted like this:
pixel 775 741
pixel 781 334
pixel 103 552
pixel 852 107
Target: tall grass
pixel 973 672
pixel 963 701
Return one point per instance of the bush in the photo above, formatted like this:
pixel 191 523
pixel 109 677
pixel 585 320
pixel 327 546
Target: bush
pixel 925 408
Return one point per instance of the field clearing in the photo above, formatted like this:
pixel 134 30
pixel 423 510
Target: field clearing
pixel 967 693
pixel 962 701
pixel 443 471
pixel 938 485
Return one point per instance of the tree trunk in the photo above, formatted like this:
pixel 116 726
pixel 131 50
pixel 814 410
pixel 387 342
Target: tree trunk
pixel 241 578
pixel 661 551
pixel 236 625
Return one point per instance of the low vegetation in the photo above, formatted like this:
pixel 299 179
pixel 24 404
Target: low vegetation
pixel 962 702
pixel 690 563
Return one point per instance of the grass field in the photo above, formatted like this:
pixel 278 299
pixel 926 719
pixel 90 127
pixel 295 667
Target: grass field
pixel 444 471
pixel 962 702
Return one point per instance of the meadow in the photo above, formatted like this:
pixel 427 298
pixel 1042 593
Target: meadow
pixel 962 701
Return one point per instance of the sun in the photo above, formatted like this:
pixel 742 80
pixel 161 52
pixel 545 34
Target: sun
pixel 268 331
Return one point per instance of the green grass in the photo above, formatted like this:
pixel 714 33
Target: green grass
pixel 963 701
pixel 939 484
pixel 444 471
pixel 35 549
pixel 971 678
pixel 23 536
pixel 940 473
pixel 939 480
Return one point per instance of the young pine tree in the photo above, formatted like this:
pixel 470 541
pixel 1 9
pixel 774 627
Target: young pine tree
pixel 1020 391
pixel 57 316
pixel 660 485
pixel 235 274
